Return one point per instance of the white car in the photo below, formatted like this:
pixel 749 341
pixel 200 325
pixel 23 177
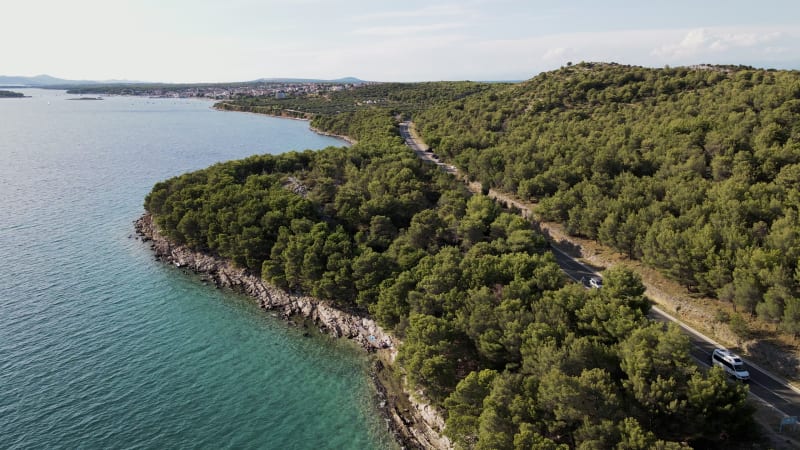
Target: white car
pixel 595 282
pixel 732 364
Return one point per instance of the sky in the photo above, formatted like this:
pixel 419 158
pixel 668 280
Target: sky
pixel 378 40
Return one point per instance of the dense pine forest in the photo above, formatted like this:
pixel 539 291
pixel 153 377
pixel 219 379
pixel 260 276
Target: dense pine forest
pixel 695 171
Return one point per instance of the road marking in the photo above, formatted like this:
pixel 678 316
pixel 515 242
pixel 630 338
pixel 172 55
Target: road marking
pixel 772 392
pixel 775 378
pixel 769 404
pixel 571 258
pixel 575 279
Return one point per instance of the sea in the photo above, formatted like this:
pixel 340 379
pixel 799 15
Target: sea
pixel 101 346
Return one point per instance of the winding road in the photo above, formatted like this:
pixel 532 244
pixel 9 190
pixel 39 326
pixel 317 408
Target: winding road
pixel 765 387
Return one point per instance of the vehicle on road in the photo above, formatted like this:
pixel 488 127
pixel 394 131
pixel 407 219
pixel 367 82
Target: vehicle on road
pixel 731 363
pixel 595 282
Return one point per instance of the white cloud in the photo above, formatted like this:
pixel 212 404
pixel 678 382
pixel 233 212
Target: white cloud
pixel 433 52
pixel 518 58
pixel 406 30
pixel 699 42
pixel 429 11
pixel 558 53
pixel 203 40
pixel 777 50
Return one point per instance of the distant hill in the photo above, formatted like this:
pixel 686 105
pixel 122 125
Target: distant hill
pixel 38 80
pixel 47 80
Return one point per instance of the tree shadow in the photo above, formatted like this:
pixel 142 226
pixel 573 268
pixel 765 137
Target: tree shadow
pixel 594 267
pixel 570 248
pixel 778 358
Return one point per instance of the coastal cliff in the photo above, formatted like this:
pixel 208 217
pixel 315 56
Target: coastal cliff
pixel 413 423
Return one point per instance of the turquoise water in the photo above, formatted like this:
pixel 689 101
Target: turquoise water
pixel 103 347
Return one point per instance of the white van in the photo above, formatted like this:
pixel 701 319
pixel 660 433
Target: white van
pixel 730 363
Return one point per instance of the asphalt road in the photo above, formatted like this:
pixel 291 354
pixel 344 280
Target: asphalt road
pixel 766 387
pixel 422 150
pixel 763 385
pixel 574 269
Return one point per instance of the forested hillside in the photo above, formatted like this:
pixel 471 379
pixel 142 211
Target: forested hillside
pixel 492 332
pixel 695 171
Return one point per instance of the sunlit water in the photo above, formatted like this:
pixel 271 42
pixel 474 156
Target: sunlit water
pixel 103 347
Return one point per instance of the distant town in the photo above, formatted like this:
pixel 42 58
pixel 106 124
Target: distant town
pixel 274 89
pixel 278 88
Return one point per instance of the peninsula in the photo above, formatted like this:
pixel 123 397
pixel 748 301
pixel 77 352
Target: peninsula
pixel 486 317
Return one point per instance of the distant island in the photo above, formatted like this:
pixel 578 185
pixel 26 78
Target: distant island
pixel 11 94
pixel 86 98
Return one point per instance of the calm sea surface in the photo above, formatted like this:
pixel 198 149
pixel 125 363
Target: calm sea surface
pixel 103 347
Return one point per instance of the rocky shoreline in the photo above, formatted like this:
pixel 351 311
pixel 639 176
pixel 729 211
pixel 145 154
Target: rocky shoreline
pixel 282 115
pixel 414 424
pixel 347 139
